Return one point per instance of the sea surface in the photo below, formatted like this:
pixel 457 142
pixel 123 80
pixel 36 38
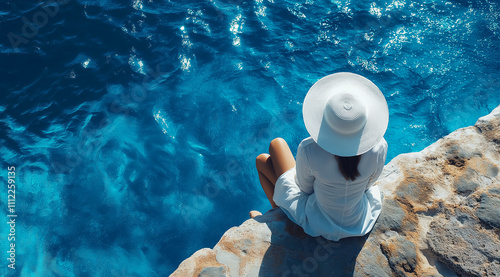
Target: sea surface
pixel 133 126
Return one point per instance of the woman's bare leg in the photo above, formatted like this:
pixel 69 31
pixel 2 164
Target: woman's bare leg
pixel 271 166
pixel 281 155
pixel 267 176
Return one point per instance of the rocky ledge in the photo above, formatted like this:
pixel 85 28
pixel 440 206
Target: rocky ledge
pixel 441 217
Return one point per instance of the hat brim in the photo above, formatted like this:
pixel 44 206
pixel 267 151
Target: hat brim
pixel 377 114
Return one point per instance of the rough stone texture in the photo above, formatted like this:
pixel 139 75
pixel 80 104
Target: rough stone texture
pixel 441 217
pixel 489 210
pixel 199 263
pixel 213 272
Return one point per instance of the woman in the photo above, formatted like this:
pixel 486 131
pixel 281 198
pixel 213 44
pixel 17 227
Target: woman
pixel 329 191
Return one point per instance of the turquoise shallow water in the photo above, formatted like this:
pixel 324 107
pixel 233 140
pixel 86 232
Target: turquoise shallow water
pixel 133 126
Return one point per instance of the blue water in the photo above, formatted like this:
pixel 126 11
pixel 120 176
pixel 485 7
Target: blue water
pixel 133 125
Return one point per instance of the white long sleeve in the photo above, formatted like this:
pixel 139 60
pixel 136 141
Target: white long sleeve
pixel 305 178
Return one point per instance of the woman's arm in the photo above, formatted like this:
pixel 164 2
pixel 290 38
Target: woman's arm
pixel 382 154
pixel 305 178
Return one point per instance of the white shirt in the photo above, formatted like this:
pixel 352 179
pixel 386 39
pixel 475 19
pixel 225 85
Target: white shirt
pixel 316 196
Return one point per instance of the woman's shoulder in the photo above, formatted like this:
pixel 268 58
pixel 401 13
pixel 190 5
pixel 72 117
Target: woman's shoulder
pixel 309 144
pixel 379 151
pixel 307 141
pixel 380 147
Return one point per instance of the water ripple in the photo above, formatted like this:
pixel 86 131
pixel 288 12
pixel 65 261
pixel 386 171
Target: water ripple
pixel 135 124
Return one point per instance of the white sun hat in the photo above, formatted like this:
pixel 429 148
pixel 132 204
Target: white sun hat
pixel 345 114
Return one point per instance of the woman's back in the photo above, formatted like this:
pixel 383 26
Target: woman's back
pixel 341 199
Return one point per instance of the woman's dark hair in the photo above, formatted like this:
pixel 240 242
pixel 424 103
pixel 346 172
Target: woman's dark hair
pixel 349 166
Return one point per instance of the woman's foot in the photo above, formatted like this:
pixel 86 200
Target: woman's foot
pixel 254 214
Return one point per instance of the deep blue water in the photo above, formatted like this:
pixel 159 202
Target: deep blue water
pixel 133 125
